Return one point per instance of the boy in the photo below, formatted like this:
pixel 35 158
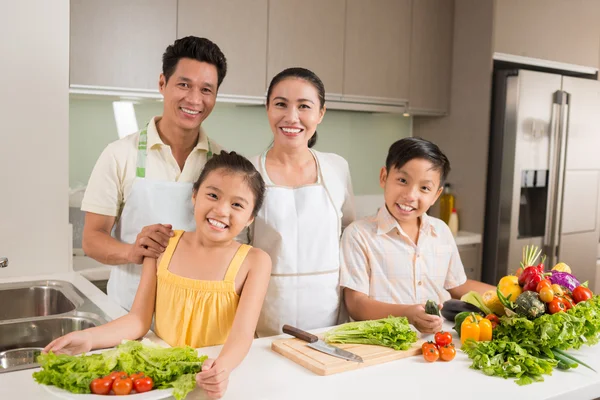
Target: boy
pixel 396 260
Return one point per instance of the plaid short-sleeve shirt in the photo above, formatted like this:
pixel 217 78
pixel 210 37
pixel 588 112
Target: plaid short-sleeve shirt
pixel 381 261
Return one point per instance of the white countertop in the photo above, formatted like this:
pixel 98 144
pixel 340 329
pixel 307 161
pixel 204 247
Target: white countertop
pixel 267 375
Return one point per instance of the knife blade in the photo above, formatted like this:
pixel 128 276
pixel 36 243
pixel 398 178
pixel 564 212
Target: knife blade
pixel 315 343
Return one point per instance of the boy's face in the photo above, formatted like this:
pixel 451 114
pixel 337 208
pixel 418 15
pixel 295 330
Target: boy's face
pixel 190 93
pixel 410 190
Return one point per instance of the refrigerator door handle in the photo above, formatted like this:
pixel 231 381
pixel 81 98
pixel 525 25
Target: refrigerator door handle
pixel 553 139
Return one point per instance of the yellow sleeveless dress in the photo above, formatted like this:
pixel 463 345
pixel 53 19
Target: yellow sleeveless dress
pixel 194 312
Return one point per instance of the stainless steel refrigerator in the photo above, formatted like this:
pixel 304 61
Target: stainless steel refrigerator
pixel 544 173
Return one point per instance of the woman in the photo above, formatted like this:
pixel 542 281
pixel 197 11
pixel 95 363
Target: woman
pixel 308 202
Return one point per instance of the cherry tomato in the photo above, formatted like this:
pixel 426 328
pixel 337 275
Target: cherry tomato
pixel 122 385
pixel 443 338
pixel 558 291
pixel 546 294
pixel 544 283
pixel 116 374
pixel 556 305
pixel 568 300
pixel 431 354
pixel 581 293
pixel 142 385
pixel 448 352
pixel 428 345
pixel 101 385
pixel 137 375
pixel 493 318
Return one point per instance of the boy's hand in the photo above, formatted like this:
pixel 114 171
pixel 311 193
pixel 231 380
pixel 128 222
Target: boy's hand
pixel 425 323
pixel 213 378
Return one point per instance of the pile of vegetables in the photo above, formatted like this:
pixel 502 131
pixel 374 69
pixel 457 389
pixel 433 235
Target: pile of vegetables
pixel 174 367
pixel 394 332
pixel 536 315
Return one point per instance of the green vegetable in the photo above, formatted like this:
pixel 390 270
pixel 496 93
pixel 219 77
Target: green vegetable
pixel 475 299
pixel 458 320
pixel 394 332
pixel 508 360
pixel 529 305
pixel 174 367
pixel 431 307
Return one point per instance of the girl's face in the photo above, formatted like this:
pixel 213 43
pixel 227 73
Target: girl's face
pixel 223 205
pixel 294 111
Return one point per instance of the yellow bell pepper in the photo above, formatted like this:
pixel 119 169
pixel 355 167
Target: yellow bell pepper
pixel 477 328
pixel 509 286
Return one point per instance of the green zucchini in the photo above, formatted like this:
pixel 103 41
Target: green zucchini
pixel 432 308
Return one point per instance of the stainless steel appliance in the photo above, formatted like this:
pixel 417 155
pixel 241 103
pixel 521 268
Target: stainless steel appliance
pixel 544 172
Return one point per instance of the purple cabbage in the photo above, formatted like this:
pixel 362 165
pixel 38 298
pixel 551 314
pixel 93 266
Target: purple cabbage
pixel 564 279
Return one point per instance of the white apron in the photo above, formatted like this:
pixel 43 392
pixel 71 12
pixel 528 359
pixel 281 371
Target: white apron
pixel 149 202
pixel 299 228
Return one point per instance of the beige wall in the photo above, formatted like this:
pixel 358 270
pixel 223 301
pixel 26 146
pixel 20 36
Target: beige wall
pixel 34 144
pixel 559 30
pixel 463 134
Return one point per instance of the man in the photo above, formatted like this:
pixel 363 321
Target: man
pixel 143 182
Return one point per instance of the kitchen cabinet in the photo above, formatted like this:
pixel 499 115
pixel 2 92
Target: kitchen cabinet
pixel 431 56
pixel 239 28
pixel 556 30
pixel 377 50
pixel 120 44
pixel 469 255
pixel 301 36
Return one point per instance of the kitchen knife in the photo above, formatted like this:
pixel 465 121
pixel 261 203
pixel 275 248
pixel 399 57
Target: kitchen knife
pixel 315 343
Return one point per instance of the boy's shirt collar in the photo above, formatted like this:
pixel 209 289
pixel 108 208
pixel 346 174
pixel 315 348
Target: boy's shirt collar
pixel 386 222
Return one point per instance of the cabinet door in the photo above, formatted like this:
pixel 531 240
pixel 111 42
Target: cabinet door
pixel 376 61
pixel 308 34
pixel 431 55
pixel 239 28
pixel 469 255
pixel 116 43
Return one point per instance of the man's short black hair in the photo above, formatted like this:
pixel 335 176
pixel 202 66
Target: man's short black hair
pixel 410 148
pixel 200 49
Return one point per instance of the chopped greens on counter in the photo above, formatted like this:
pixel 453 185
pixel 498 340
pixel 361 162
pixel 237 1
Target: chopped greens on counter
pixel 174 367
pixel 394 332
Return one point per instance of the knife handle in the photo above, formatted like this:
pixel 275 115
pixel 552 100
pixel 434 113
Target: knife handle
pixel 300 334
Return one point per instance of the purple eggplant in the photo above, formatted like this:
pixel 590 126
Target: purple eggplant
pixel 564 279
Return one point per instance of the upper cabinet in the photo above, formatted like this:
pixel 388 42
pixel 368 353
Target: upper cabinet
pixel 301 36
pixel 377 49
pixel 556 30
pixel 431 56
pixel 119 44
pixel 239 28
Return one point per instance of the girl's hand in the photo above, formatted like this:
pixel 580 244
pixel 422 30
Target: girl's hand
pixel 214 378
pixel 72 343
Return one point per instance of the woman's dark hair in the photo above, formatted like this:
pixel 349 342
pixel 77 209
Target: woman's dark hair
pixel 200 49
pixel 307 75
pixel 410 148
pixel 236 163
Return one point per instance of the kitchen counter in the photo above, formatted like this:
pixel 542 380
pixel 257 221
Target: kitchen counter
pixel 267 375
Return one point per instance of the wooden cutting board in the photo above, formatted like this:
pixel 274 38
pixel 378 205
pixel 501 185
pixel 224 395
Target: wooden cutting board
pixel 324 364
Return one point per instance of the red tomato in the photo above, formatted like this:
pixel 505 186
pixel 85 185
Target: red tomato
pixel 443 338
pixel 116 374
pixel 581 293
pixel 493 318
pixel 427 345
pixel 142 385
pixel 544 283
pixel 101 385
pixel 137 375
pixel 568 300
pixel 448 352
pixel 556 305
pixel 122 385
pixel 431 355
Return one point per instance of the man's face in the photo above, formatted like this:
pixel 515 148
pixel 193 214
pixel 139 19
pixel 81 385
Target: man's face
pixel 190 94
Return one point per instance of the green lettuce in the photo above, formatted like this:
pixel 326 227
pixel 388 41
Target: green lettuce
pixel 394 332
pixel 174 367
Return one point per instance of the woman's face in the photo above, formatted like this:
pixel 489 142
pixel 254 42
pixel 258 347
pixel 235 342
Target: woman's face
pixel 294 111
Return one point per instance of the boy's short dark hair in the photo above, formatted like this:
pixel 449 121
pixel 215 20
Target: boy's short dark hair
pixel 410 148
pixel 200 49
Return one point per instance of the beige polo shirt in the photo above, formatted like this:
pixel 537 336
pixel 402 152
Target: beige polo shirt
pixel 113 175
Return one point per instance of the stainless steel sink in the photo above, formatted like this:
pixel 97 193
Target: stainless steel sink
pixel 38 313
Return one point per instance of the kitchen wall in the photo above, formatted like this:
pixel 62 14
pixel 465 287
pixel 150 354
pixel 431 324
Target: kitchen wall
pixel 362 138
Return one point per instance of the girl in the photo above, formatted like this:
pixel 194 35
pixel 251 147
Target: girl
pixel 206 288
pixel 309 201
